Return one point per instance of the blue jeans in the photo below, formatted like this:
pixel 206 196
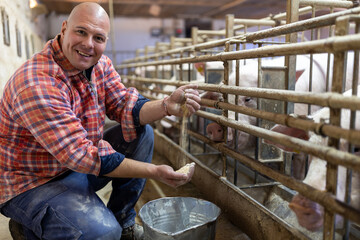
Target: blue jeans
pixel 68 207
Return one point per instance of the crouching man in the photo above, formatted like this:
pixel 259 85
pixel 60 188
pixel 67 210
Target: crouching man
pixel 54 153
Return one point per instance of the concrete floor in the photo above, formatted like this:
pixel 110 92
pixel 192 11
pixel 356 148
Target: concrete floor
pixel 4 228
pixel 225 230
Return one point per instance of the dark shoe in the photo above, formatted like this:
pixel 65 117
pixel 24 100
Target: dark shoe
pixel 135 232
pixel 16 230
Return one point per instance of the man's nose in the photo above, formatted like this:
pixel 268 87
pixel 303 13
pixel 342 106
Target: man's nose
pixel 89 42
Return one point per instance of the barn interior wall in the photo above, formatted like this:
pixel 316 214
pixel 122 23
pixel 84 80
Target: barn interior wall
pixel 31 33
pixel 130 34
pixel 134 33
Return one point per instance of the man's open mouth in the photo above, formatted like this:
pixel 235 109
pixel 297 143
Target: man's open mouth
pixel 83 54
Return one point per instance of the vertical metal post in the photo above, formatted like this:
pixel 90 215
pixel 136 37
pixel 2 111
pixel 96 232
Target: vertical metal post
pixel 183 129
pixel 157 49
pixel 257 148
pixel 229 32
pixel 311 62
pixel 225 112
pixel 292 15
pixel 112 33
pixel 194 35
pixel 172 46
pixel 351 147
pixel 341 28
pixel 237 81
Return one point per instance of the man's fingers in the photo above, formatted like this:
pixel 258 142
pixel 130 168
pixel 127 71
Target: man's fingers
pixel 194 86
pixel 192 106
pixel 195 97
pixel 192 91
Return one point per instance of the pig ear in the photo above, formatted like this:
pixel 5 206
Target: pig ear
pixel 299 73
pixel 292 132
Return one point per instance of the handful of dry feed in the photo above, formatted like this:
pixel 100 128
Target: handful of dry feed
pixel 186 169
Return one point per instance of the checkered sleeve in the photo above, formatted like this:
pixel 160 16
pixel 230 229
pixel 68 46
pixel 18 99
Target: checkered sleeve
pixel 120 102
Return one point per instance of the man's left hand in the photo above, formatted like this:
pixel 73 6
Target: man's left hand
pixel 185 100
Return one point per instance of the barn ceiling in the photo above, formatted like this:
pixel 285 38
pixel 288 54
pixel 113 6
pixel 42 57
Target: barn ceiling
pixel 179 8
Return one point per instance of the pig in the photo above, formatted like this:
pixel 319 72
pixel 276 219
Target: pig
pixel 310 214
pixel 248 78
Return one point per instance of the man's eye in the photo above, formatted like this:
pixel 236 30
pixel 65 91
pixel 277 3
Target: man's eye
pixel 81 32
pixel 100 39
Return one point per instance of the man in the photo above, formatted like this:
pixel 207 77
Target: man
pixel 54 155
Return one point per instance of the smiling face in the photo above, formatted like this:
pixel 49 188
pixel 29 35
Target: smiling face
pixel 84 35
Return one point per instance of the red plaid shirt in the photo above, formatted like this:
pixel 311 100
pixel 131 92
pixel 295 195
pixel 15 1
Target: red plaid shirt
pixel 52 119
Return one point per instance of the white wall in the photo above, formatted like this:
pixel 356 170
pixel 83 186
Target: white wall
pixel 19 15
pixel 130 34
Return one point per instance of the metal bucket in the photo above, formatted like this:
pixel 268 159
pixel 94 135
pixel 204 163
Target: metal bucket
pixel 179 218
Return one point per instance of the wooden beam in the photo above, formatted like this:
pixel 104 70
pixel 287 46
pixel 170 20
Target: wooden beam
pixel 147 2
pixel 222 8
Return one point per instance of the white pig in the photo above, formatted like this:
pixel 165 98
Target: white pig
pixel 248 78
pixel 310 214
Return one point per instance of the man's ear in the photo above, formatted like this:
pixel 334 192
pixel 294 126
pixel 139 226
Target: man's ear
pixel 63 27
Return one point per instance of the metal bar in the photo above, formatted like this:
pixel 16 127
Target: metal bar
pixel 259 185
pixel 349 172
pixel 320 21
pixel 327 153
pixel 112 33
pixel 324 198
pixel 335 119
pixel 257 22
pixel 334 100
pixel 351 135
pixel 327 3
pixel 212 32
pixel 332 44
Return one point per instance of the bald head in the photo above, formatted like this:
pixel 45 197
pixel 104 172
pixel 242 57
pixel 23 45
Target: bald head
pixel 90 9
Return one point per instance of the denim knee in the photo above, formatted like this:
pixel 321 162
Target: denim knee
pixel 145 145
pixel 148 138
pixel 148 133
pixel 112 232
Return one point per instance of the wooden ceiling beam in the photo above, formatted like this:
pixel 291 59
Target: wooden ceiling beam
pixel 147 2
pixel 223 8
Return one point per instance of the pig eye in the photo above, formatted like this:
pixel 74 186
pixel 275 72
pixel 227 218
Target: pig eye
pixel 247 99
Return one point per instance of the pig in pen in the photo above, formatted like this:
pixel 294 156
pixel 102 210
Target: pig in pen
pixel 274 188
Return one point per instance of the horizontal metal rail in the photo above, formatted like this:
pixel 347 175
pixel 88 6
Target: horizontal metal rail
pixel 329 154
pixel 353 136
pixel 329 45
pixel 326 99
pixel 321 21
pixel 272 20
pixel 327 3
